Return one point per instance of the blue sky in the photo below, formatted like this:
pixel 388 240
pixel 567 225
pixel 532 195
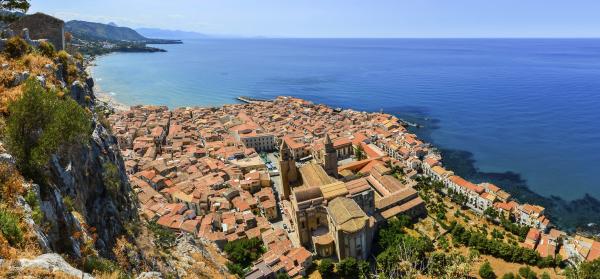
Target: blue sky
pixel 344 18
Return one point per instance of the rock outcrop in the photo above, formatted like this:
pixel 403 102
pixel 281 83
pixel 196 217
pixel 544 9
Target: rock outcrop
pixel 79 174
pixel 53 263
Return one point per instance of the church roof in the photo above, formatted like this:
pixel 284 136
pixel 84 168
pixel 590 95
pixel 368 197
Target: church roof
pixel 334 190
pixel 347 215
pixel 304 194
pixel 313 175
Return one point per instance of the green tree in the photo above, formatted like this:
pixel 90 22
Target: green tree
pixel 244 251
pixel 325 268
pixel 112 179
pixel 359 152
pixel 490 212
pixel 527 273
pixel 164 237
pixel 11 6
pixel 39 123
pixel 390 235
pixel 9 227
pixel 545 275
pixel 509 275
pixel 585 270
pixel 348 268
pixel 282 275
pixel 486 271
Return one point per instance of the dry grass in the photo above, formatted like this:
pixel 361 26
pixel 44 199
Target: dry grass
pixel 11 183
pixel 209 270
pixel 114 275
pixel 7 95
pixel 502 267
pixel 35 64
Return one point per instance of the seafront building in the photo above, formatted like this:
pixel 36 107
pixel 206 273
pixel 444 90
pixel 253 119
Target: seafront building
pixel 307 180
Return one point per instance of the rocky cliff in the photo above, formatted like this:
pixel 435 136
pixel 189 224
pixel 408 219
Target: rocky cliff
pixel 83 203
pixel 78 174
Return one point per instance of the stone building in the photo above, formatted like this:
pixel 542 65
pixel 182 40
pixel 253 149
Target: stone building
pixel 330 159
pixel 287 169
pixel 351 228
pixel 42 26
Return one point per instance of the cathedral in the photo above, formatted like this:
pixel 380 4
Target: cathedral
pixel 328 216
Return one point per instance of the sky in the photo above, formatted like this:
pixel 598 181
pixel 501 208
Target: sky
pixel 343 18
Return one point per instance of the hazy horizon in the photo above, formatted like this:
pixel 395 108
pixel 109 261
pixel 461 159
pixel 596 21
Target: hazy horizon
pixel 344 18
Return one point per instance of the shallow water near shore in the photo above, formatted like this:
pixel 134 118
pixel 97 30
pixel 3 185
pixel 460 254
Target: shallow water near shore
pixel 528 106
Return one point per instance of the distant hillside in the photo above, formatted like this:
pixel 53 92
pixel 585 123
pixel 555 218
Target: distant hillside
pixel 170 34
pixel 99 31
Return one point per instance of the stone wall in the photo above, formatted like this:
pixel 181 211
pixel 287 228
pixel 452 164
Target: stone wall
pixel 42 26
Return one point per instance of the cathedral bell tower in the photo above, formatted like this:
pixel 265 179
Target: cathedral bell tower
pixel 287 169
pixel 330 160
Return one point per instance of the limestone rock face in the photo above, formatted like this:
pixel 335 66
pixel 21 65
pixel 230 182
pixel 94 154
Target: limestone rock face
pixel 52 262
pixel 19 78
pixel 77 172
pixel 149 275
pixel 79 92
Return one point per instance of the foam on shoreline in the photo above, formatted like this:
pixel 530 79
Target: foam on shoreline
pixel 103 96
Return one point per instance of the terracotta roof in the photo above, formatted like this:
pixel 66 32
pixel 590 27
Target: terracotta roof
pixel 394 211
pixel 334 190
pixel 314 175
pixel 357 186
pixel 307 193
pixel 466 184
pixel 347 215
pixel 397 197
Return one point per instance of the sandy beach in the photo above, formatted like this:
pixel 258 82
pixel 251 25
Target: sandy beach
pixel 103 96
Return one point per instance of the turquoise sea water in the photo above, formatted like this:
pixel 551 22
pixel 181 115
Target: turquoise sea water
pixel 526 106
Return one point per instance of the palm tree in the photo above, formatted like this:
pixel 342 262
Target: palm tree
pixel 359 153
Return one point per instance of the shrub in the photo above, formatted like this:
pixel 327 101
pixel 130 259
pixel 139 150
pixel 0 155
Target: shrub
pixel 10 183
pixel 39 124
pixel 496 248
pixel 527 273
pixel 37 215
pixel 587 270
pixel 47 49
pixel 99 265
pixel 348 268
pixel 112 179
pixel 325 268
pixel 545 275
pixel 78 56
pixel 164 237
pixel 236 269
pixel 31 198
pixel 72 73
pixel 16 47
pixel 63 57
pixel 9 227
pixel 36 211
pixel 244 251
pixel 68 201
pixel 509 275
pixel 486 271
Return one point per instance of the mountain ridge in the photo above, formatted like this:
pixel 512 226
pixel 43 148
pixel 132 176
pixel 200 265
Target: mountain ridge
pixel 93 31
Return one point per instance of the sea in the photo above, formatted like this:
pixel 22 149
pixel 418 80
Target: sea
pixel 522 111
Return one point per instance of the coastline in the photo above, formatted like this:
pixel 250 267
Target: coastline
pixel 102 96
pixel 570 215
